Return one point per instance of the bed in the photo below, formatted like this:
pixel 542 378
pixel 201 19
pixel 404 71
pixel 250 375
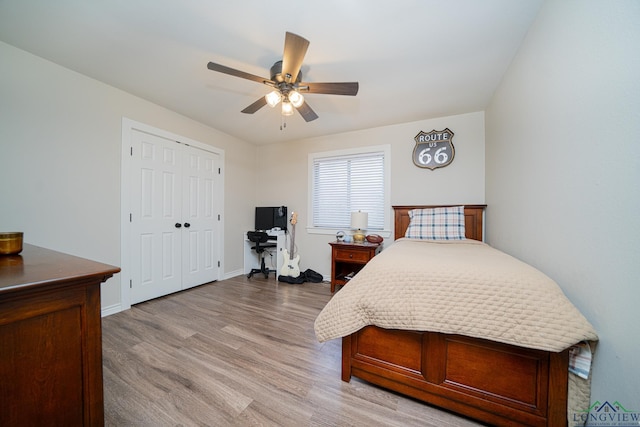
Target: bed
pixel 467 351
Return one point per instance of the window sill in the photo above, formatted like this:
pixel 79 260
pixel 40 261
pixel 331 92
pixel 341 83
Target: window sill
pixel 332 231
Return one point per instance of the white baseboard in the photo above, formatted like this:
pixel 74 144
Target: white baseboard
pixel 231 274
pixel 117 308
pixel 112 309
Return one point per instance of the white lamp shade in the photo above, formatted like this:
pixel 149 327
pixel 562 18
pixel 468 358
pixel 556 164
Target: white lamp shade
pixel 359 220
pixel 287 108
pixel 296 98
pixel 273 98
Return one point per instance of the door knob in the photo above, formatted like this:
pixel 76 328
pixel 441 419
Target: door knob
pixel 187 225
pixel 178 225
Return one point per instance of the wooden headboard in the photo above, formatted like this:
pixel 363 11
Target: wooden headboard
pixel 472 219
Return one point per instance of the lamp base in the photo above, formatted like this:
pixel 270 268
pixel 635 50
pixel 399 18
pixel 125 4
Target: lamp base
pixel 358 236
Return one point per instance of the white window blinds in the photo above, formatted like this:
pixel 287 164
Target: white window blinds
pixel 344 184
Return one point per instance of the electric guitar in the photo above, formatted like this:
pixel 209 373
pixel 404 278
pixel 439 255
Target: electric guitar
pixel 290 265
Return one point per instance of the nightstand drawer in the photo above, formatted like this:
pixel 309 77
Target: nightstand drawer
pixel 352 255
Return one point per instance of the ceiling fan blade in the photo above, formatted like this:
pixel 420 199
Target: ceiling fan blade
pixel 237 73
pixel 261 102
pixel 344 88
pixel 295 47
pixel 306 112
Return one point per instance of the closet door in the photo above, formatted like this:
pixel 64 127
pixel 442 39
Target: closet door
pixel 174 218
pixel 156 211
pixel 200 218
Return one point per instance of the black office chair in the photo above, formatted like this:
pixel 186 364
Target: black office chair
pixel 260 238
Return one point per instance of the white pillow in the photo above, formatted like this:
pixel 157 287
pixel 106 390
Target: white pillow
pixel 436 223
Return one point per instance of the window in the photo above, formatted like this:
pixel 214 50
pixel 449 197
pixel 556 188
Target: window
pixel 346 181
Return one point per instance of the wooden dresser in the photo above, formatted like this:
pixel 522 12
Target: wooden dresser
pixel 51 339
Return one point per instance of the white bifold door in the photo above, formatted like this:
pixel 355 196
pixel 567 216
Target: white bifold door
pixel 174 218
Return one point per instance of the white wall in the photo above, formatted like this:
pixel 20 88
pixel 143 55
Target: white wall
pixel 60 145
pixel 563 172
pixel 284 167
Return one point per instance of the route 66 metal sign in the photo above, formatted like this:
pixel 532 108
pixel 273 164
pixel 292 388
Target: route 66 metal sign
pixel 434 149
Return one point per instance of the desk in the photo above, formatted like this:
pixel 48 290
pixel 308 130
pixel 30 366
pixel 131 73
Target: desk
pixel 251 258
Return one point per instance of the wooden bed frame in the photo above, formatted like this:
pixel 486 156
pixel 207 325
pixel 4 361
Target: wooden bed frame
pixel 495 383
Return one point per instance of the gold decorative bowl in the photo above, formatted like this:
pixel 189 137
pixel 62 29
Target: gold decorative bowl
pixel 10 243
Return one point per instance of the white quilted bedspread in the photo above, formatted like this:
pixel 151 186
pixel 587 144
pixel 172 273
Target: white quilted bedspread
pixel 463 287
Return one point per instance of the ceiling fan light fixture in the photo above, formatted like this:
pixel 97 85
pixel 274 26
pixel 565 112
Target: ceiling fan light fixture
pixel 273 98
pixel 287 108
pixel 296 98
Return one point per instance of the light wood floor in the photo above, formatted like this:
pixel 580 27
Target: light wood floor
pixel 240 352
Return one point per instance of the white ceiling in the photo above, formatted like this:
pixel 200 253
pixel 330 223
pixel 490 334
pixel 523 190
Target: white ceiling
pixel 414 59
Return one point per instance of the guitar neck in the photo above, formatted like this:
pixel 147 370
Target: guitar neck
pixel 293 239
pixel 294 220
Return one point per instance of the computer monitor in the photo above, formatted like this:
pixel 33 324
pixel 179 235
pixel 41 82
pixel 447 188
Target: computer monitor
pixel 271 217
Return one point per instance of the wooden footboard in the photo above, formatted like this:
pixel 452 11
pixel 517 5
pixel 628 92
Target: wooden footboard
pixel 500 384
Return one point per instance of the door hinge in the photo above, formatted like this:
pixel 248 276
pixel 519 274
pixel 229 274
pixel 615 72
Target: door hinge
pixel 218 171
pixel 130 284
pixel 130 217
pixel 218 263
pixel 132 151
pixel 218 217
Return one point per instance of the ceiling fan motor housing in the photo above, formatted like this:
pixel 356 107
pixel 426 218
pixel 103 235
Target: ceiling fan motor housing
pixel 276 74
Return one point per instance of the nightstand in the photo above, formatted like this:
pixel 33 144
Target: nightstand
pixel 349 258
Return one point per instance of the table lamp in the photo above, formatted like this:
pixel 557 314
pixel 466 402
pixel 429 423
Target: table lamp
pixel 359 223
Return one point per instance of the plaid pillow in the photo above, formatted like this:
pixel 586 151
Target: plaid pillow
pixel 436 223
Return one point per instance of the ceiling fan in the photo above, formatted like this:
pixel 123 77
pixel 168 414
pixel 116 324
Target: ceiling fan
pixel 286 80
